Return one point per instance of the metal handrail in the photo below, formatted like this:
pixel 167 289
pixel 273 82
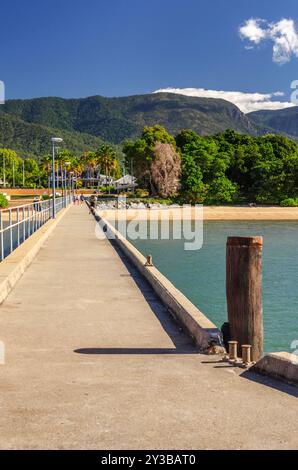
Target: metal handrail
pixel 23 221
pixel 24 205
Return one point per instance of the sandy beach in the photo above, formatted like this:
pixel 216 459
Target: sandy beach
pixel 209 213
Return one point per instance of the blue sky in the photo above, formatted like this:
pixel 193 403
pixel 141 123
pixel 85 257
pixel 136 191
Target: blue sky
pixel 74 48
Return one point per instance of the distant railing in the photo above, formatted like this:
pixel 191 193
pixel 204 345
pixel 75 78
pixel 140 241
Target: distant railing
pixel 18 223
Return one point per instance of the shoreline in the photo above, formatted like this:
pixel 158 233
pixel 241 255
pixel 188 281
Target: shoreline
pixel 273 213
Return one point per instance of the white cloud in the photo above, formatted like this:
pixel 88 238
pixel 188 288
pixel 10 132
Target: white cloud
pixel 253 31
pixel 283 34
pixel 247 102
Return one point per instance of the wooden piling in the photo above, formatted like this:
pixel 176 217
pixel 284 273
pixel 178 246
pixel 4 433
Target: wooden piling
pixel 244 292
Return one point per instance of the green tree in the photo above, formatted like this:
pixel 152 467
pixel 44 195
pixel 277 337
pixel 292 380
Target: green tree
pixel 10 167
pixel 192 187
pixel 31 173
pixel 221 190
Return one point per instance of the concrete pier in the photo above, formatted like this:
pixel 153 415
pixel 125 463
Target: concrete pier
pixel 93 360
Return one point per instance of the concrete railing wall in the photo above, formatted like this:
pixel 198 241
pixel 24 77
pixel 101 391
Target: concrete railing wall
pixel 203 331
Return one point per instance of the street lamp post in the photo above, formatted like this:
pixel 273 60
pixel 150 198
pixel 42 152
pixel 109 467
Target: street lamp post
pixel 39 185
pixel 55 140
pixel 66 183
pixel 71 173
pixel 4 172
pixel 13 175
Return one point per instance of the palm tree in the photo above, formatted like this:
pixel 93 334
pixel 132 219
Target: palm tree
pixel 106 158
pixel 46 164
pixel 76 166
pixel 89 161
pixel 115 168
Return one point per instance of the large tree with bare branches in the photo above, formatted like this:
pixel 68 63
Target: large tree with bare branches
pixel 155 161
pixel 165 170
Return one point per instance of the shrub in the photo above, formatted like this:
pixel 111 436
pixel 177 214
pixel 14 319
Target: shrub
pixel 290 202
pixel 3 201
pixel 165 201
pixel 141 192
pixel 106 189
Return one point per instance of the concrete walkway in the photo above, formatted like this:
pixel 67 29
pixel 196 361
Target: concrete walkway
pixel 93 360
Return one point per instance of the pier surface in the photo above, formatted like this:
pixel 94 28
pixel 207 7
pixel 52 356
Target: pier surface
pixel 93 360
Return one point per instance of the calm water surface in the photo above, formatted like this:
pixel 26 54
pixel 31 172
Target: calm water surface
pixel 200 275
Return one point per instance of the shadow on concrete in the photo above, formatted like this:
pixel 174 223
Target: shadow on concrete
pixel 181 340
pixel 257 378
pixel 140 351
pixel 224 367
pixel 270 382
pixel 217 361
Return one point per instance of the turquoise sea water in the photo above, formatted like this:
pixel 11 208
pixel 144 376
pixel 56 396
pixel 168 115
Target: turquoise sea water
pixel 200 275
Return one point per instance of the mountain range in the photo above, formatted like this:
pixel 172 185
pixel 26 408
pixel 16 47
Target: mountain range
pixel 27 125
pixel 280 121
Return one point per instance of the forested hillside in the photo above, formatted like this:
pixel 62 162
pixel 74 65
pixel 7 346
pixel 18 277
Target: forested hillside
pixel 117 119
pixel 34 140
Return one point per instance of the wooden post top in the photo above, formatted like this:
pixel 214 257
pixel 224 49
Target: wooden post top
pixel 245 241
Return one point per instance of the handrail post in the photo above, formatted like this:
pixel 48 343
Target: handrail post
pixel 10 231
pixel 34 217
pixel 53 182
pixel 24 223
pixel 1 235
pixel 18 225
